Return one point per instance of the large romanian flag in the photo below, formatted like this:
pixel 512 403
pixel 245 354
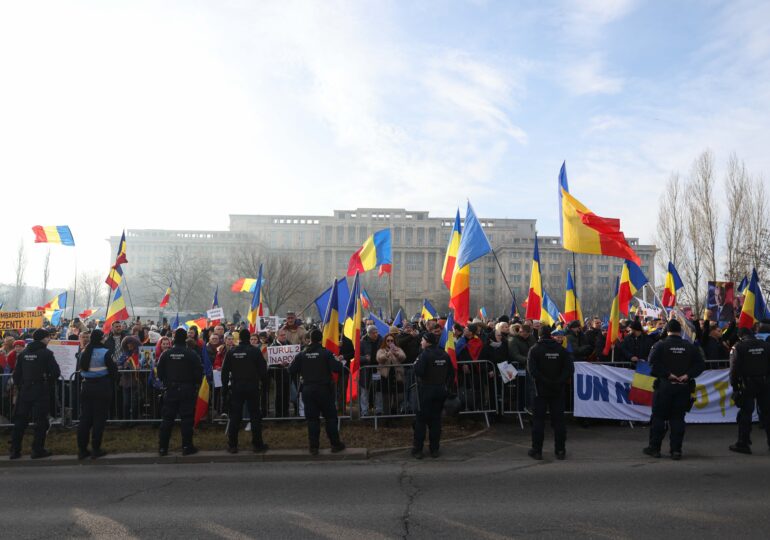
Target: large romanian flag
pixel 451 252
pixel 641 385
pixel 585 232
pixel 117 310
pixel 754 307
pixel 53 234
pixel 166 297
pixel 331 322
pixel 535 296
pixel 255 309
pixel 614 323
pixel 428 312
pixel 376 252
pixel 549 312
pixel 354 314
pixel 673 284
pixel 572 311
pixel 121 257
pixel 114 277
pixel 58 302
pixel 202 402
pixel 632 279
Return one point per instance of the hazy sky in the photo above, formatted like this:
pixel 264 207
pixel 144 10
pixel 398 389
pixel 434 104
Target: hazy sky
pixel 176 114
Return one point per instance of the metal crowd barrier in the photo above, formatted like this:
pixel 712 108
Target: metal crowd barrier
pixel 58 412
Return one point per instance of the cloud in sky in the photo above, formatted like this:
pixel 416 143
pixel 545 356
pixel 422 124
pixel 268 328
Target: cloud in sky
pixel 147 115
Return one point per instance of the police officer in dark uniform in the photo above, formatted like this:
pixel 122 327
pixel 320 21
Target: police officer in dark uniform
pixel 98 372
pixel 35 373
pixel 750 379
pixel 435 373
pixel 315 365
pixel 550 367
pixel 246 366
pixel 675 363
pixel 180 370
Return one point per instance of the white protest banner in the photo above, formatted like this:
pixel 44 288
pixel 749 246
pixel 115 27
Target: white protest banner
pixel 65 351
pixel 282 354
pixel 602 392
pixel 216 314
pixel 267 323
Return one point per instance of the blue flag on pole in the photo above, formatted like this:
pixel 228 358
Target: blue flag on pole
pixel 343 296
pixel 474 243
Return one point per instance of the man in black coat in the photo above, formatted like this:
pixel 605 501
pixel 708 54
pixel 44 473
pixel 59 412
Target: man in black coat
pixel 636 345
pixel 316 365
pixel 35 372
pixel 181 372
pixel 435 373
pixel 750 379
pixel 675 363
pixel 550 367
pixel 248 369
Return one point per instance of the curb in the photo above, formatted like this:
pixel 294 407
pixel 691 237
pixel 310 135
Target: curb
pixel 295 455
pixel 385 451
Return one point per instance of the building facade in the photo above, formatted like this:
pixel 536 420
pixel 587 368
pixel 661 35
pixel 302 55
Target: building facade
pixel 325 243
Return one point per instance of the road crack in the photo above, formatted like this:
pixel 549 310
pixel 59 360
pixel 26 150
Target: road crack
pixel 408 487
pixel 145 490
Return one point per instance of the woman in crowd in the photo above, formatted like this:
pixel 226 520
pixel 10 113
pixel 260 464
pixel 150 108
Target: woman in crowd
pixel 130 383
pixel 389 359
pixel 98 371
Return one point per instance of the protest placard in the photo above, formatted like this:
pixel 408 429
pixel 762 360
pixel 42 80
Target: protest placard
pixel 282 354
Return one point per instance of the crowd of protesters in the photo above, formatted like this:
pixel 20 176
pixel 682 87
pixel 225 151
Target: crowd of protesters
pixel 387 378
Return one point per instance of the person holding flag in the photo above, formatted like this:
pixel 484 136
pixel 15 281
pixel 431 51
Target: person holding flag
pixel 180 370
pixel 247 367
pixel 316 365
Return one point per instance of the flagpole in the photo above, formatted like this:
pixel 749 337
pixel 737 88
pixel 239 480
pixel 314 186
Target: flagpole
pixel 575 283
pixel 133 313
pixel 500 266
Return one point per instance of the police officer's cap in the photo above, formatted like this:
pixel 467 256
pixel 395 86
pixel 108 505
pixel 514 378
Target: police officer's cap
pixel 244 335
pixel 430 337
pixel 40 334
pixel 180 336
pixel 316 336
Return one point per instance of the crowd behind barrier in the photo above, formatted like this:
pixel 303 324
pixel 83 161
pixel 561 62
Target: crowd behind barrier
pixel 383 391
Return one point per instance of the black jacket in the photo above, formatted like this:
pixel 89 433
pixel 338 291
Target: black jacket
pixel 635 346
pixel 433 366
pixel 35 365
pixel 749 358
pixel 245 364
pixel 315 364
pixel 550 366
pixel 676 356
pixel 180 365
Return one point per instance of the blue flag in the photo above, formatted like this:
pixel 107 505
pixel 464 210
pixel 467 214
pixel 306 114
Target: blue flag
pixel 215 303
pixel 343 296
pixel 474 243
pixel 398 322
pixel 175 324
pixel 381 325
pixel 514 308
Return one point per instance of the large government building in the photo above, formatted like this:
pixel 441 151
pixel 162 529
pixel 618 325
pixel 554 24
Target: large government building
pixel 324 245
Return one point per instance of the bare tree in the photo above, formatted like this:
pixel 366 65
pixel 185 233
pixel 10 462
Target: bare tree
pixel 46 275
pixel 694 255
pixel 738 193
pixel 703 205
pixel 91 289
pixel 756 250
pixel 289 282
pixel 20 267
pixel 670 231
pixel 189 274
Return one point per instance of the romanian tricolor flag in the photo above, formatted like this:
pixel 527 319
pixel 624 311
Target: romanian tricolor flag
pixel 572 311
pixel 549 312
pixel 53 234
pixel 256 302
pixel 535 296
pixel 366 302
pixel 631 280
pixel 200 324
pixel 87 313
pixel 754 307
pixel 641 385
pixel 114 277
pixel 483 313
pixel 376 252
pixel 742 285
pixel 202 402
pixel 448 341
pixel 244 285
pixel 460 293
pixel 673 284
pixel 121 257
pixel 451 252
pixel 166 297
pixel 614 323
pixel 117 310
pixel 585 232
pixel 354 314
pixel 58 302
pixel 428 312
pixel 331 322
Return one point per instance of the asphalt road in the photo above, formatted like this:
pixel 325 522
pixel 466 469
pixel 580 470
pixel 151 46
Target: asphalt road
pixel 481 488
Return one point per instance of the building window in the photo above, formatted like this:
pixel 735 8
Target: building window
pixel 516 278
pixel 604 280
pixel 397 235
pixel 362 236
pixel 489 269
pixel 414 262
pixel 515 267
pixel 490 281
pixel 431 262
pixel 351 233
pixel 554 267
pixel 420 237
pixel 617 268
pixel 604 268
pixel 475 281
pixel 432 236
pixel 408 236
pixel 588 267
pixel 340 234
